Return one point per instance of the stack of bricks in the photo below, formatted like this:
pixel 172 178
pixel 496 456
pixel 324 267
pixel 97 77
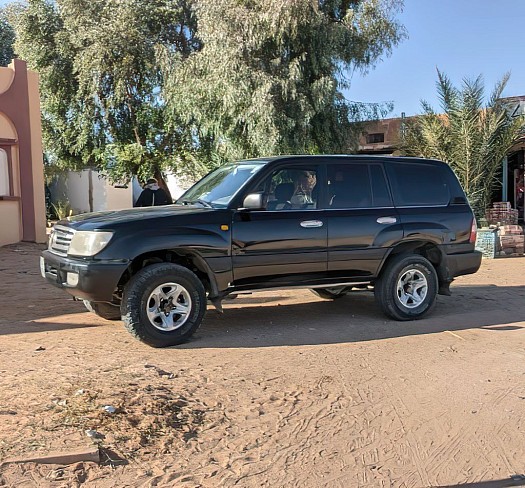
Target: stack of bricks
pixel 502 214
pixel 511 240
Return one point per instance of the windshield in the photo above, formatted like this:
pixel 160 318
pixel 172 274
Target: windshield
pixel 219 187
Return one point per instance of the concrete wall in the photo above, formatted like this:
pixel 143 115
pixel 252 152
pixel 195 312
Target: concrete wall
pixel 73 187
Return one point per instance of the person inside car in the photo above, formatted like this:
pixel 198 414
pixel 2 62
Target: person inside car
pixel 304 185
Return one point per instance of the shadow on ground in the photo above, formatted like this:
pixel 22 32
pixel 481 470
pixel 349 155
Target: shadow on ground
pixel 356 318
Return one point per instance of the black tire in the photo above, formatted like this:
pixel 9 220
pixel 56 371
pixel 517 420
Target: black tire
pixel 103 309
pixel 390 297
pixel 139 291
pixel 330 293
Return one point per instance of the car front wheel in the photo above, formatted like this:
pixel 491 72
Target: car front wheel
pixel 407 287
pixel 163 304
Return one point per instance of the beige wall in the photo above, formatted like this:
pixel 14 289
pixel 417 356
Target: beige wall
pixel 10 212
pixel 117 198
pixel 36 157
pixel 22 213
pixel 10 218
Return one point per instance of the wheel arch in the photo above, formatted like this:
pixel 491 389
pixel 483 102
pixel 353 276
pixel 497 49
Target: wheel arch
pixel 429 250
pixel 183 257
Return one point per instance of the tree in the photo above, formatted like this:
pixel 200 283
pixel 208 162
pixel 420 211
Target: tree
pixel 133 87
pixel 100 83
pixel 7 39
pixel 471 136
pixel 269 76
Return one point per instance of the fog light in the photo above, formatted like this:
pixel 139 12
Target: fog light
pixel 72 279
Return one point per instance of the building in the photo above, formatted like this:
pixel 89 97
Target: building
pixel 22 203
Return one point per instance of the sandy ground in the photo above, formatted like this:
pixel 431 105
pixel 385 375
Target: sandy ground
pixel 282 390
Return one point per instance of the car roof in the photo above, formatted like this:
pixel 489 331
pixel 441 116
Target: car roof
pixel 335 157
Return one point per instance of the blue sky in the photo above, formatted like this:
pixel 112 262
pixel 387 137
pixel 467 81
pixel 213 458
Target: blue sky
pixel 463 38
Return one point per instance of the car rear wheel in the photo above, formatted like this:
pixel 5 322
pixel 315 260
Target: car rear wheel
pixel 332 293
pixel 103 309
pixel 407 287
pixel 163 304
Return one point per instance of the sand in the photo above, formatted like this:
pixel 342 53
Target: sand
pixel 282 390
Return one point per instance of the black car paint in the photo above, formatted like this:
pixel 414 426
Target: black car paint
pixel 240 249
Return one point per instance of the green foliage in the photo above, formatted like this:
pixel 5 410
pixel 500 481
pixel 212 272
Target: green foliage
pixel 136 87
pixel 100 83
pixel 269 77
pixel 471 136
pixel 7 39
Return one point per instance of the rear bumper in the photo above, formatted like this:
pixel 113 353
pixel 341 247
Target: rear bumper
pixel 463 264
pixel 90 280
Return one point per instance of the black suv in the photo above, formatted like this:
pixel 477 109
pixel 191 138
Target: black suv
pixel 401 226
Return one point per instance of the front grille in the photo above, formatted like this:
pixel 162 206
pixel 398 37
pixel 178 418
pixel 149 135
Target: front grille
pixel 60 239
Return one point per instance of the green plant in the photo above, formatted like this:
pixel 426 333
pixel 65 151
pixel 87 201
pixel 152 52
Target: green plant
pixel 471 136
pixel 62 209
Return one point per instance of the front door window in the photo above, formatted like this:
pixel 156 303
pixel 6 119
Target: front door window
pixel 293 189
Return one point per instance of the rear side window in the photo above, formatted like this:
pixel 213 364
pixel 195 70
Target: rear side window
pixel 357 185
pixel 349 186
pixel 415 184
pixel 380 193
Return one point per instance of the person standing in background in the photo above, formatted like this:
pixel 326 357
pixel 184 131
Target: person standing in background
pixel 152 195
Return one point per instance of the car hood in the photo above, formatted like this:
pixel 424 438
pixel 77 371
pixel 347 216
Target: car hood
pixel 112 218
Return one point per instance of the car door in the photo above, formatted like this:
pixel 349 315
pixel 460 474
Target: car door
pixel 284 243
pixel 431 205
pixel 362 221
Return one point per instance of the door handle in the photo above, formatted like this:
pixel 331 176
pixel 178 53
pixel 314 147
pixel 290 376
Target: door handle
pixel 310 224
pixel 386 220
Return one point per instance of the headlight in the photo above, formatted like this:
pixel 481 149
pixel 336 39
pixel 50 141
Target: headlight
pixel 89 243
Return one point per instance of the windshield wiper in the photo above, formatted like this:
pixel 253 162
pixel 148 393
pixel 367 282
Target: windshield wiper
pixel 204 203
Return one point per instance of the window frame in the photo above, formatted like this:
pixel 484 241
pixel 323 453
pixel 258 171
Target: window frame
pixel 296 165
pixel 11 194
pixel 393 182
pixel 368 164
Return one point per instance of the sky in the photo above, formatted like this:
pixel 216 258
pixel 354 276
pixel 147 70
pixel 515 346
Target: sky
pixel 463 38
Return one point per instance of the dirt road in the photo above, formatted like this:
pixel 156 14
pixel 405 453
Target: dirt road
pixel 282 390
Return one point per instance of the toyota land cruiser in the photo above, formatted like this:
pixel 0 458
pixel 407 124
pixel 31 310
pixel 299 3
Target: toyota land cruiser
pixel 401 226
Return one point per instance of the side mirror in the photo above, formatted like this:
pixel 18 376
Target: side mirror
pixel 253 201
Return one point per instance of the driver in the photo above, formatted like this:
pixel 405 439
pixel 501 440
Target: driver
pixel 304 184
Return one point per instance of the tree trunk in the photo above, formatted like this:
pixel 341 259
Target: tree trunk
pixel 157 174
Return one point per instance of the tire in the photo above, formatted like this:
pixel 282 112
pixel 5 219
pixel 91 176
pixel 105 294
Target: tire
pixel 332 293
pixel 104 310
pixel 407 288
pixel 161 285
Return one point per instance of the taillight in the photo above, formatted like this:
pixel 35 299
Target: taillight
pixel 473 232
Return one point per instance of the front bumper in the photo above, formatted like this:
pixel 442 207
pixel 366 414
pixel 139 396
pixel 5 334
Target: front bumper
pixel 463 264
pixel 94 280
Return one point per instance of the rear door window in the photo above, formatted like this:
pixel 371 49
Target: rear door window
pixel 415 184
pixel 357 185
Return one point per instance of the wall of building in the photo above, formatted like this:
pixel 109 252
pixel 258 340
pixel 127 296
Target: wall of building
pixel 22 204
pixel 10 208
pixel 10 217
pixel 389 129
pixel 37 158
